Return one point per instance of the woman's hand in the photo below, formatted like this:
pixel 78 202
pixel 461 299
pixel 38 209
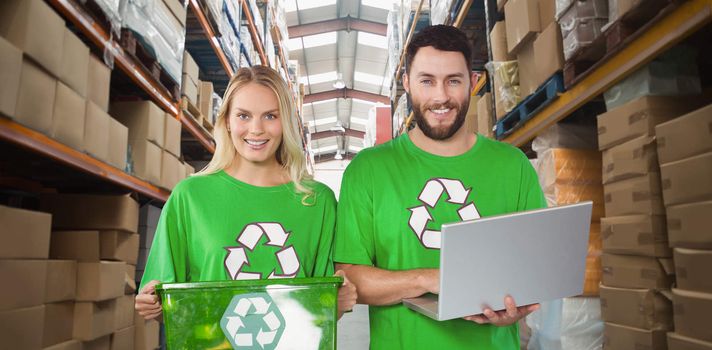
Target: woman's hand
pixel 148 304
pixel 347 295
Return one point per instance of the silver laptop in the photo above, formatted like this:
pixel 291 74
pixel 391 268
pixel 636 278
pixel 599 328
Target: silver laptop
pixel 534 256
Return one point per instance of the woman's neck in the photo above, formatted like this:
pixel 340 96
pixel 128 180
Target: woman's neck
pixel 258 174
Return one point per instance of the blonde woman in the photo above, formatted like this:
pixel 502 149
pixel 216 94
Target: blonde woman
pixel 253 212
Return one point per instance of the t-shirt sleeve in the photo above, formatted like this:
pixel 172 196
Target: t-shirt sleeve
pixel 167 259
pixel 531 196
pixel 354 240
pixel 324 263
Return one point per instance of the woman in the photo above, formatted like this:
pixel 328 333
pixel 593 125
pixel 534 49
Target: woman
pixel 253 212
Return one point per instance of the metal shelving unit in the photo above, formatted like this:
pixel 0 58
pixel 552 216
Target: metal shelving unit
pixel 661 35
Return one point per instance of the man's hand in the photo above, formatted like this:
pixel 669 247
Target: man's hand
pixel 506 317
pixel 148 304
pixel 347 295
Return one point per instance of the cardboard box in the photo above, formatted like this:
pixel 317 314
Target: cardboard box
pixel 35 85
pixel 688 225
pixel 142 258
pixel 101 343
pixel 146 235
pixel 82 246
pixel 172 135
pixel 100 281
pixel 189 88
pixel 124 312
pixel 61 281
pixel 33 27
pixel 548 50
pixel 131 271
pixel 123 339
pixel 69 345
pixel 148 217
pixel 205 99
pixel 19 327
pixel 93 320
pixel 547 13
pixel 146 333
pixel 190 68
pixel 96 132
pixel 692 310
pixel 74 69
pixel 25 283
pixel 527 69
pixel 500 5
pixel 130 281
pixel 485 115
pixel 189 170
pixel 98 80
pixel 627 271
pixel 498 41
pixel 147 160
pixel 108 212
pixel 633 158
pixel 522 23
pixel 118 141
pixel 692 270
pixel 68 117
pixel 684 137
pixel 24 234
pixel 177 9
pixel 640 308
pixel 10 67
pixel 145 120
pixel 639 195
pixel 636 235
pixel 617 337
pixel 687 180
pixel 678 342
pixel 118 245
pixel 592 274
pixel 639 117
pixel 58 323
pixel 171 170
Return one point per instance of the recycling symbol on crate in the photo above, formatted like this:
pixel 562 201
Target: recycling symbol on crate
pixel 429 196
pixel 237 258
pixel 252 321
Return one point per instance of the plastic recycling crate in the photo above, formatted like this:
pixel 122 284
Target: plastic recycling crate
pixel 277 314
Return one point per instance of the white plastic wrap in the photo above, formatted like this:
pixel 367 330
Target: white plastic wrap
pixel 567 324
pixel 395 45
pixel 673 73
pixel 583 33
pixel 440 11
pixel 369 139
pixel 582 11
pixel 506 81
pixel 561 6
pixel 562 135
pixel 112 11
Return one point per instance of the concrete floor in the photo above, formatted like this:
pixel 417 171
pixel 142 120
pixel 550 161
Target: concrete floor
pixel 353 331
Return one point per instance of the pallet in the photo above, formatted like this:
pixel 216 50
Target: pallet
pixel 97 13
pixel 633 20
pixel 615 36
pixel 526 109
pixel 146 58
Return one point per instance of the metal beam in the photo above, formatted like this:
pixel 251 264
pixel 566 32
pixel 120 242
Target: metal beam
pixel 346 93
pixel 330 133
pixel 345 23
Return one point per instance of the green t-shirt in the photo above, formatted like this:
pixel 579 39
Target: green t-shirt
pixel 215 227
pixel 394 198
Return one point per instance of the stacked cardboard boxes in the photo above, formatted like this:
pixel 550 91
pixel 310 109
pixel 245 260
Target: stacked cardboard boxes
pixel 581 23
pixel 189 84
pixel 101 245
pixel 24 250
pixel 685 154
pixel 638 270
pixel 148 222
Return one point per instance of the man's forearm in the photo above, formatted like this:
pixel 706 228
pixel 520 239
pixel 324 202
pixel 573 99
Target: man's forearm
pixel 384 287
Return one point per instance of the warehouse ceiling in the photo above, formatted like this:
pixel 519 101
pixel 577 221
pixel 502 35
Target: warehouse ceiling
pixel 339 40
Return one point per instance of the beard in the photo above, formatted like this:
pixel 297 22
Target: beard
pixel 440 133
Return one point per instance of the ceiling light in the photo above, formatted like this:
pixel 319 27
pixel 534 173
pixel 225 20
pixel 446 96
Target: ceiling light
pixel 338 155
pixel 339 83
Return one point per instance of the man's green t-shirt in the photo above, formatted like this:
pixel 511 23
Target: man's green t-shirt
pixel 394 198
pixel 215 227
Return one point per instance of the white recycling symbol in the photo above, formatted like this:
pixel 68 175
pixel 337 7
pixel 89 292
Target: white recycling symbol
pixel 252 321
pixel 236 258
pixel 434 188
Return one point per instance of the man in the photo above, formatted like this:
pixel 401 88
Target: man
pixel 394 198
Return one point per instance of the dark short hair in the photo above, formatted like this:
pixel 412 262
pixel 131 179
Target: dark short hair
pixel 440 37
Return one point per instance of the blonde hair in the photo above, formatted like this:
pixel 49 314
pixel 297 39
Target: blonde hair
pixel 290 153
